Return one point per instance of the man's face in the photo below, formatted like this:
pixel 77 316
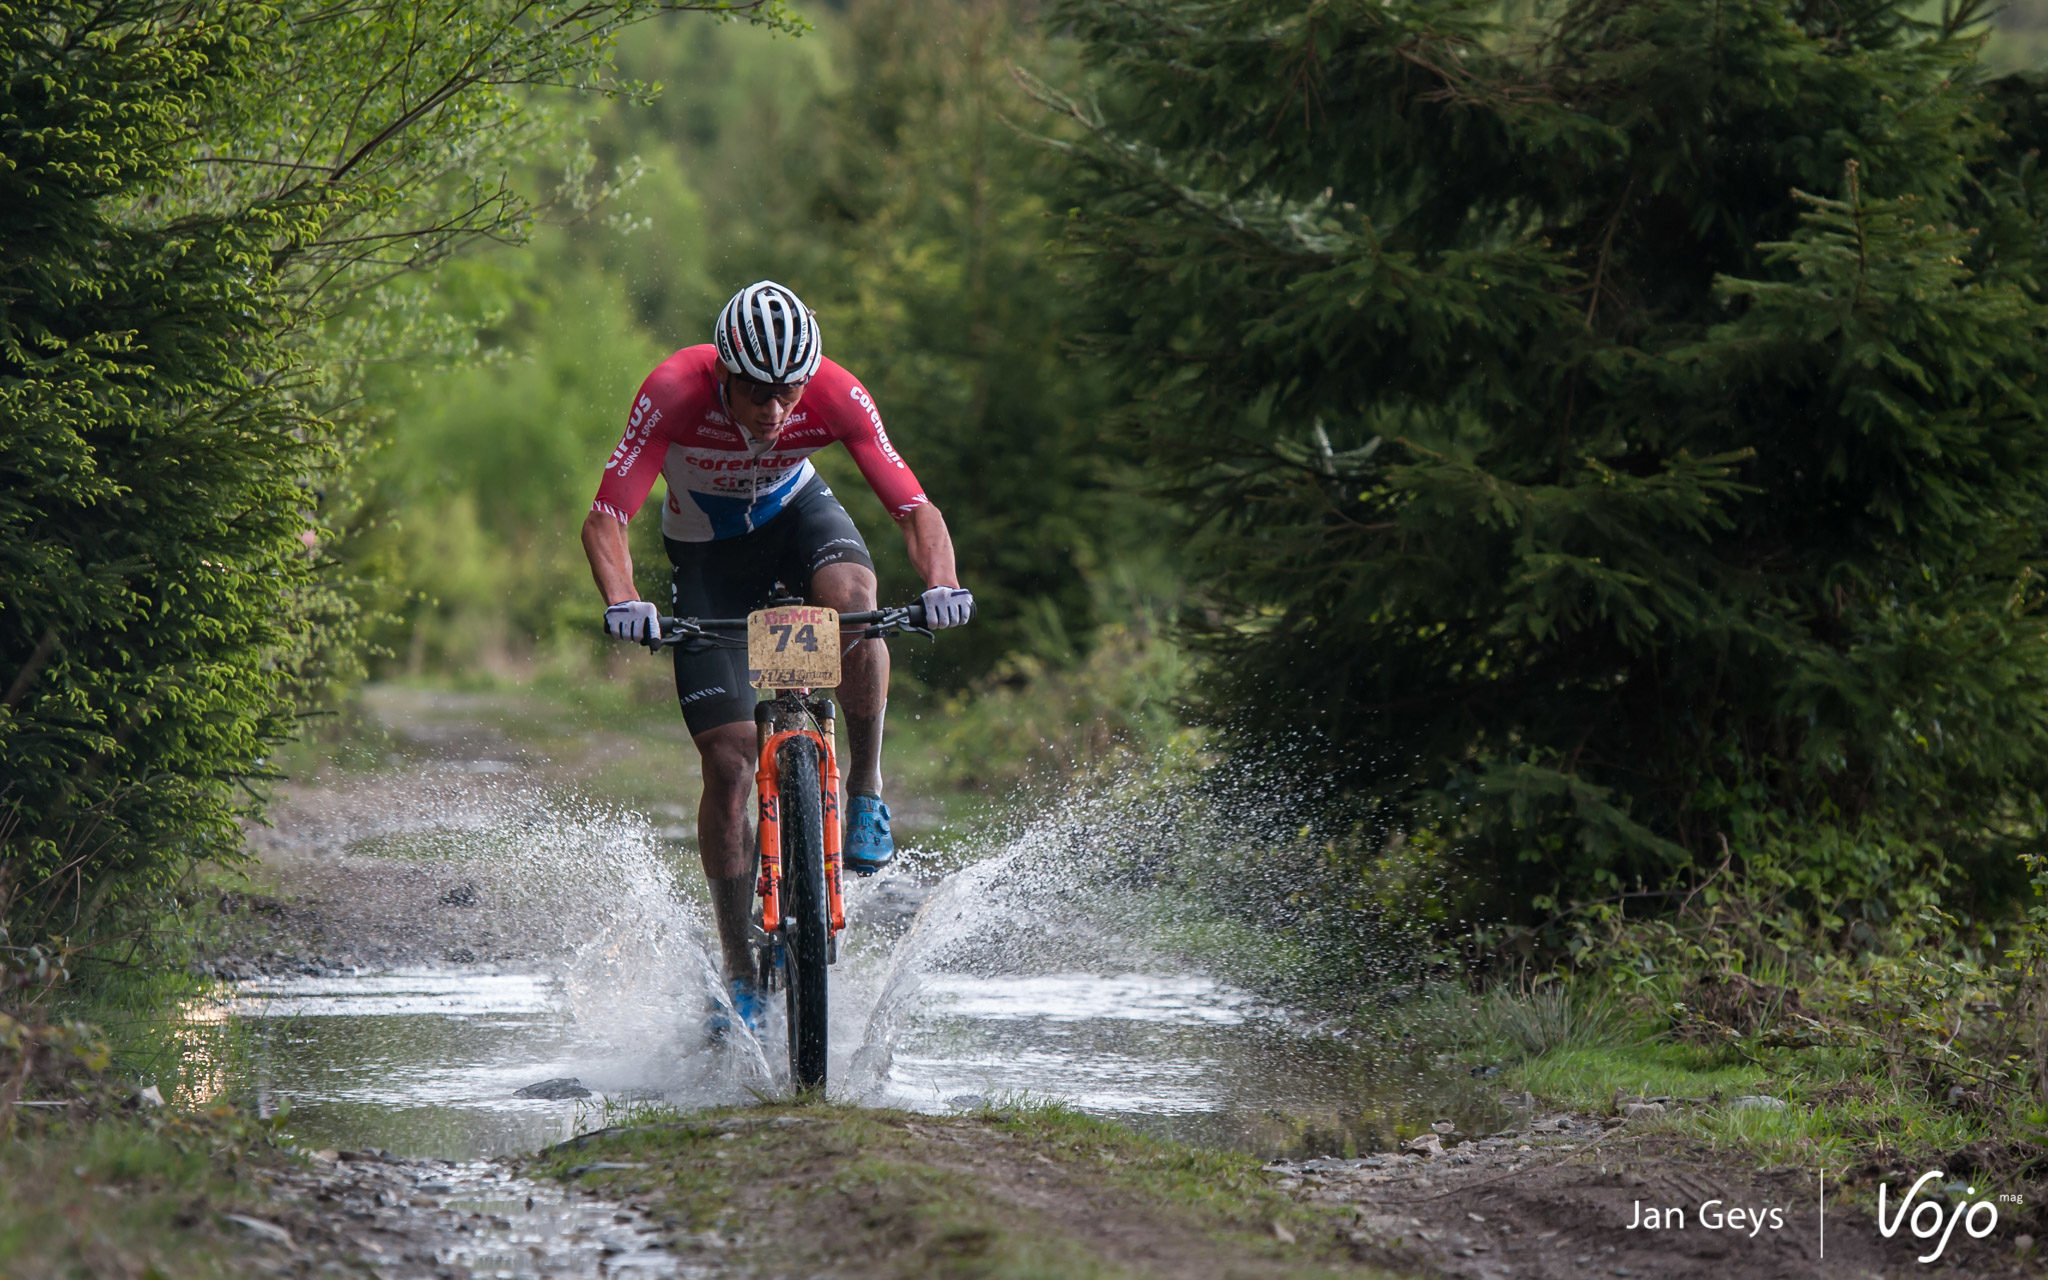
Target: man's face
pixel 762 409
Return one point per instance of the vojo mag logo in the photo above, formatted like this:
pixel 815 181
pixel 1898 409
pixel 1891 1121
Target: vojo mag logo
pixel 1931 1220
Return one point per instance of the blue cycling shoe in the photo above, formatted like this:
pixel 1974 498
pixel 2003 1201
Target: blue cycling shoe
pixel 746 1002
pixel 868 843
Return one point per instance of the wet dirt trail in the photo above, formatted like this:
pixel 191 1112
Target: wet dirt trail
pixel 460 951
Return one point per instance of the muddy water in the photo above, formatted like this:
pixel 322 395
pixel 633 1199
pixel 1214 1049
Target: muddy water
pixel 1000 980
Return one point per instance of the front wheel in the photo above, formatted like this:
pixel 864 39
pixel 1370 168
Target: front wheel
pixel 806 925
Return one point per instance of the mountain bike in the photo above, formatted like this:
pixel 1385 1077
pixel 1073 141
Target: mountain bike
pixel 794 650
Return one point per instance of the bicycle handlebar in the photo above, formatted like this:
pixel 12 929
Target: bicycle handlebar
pixel 873 624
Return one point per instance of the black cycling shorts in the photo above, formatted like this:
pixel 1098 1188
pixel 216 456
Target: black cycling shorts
pixel 732 577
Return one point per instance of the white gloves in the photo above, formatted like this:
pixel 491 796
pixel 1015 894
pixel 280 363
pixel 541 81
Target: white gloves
pixel 947 607
pixel 635 620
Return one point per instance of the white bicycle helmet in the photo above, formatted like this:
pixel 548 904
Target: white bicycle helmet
pixel 766 334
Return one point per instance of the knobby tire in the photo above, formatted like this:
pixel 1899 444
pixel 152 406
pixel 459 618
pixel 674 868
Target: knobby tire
pixel 805 910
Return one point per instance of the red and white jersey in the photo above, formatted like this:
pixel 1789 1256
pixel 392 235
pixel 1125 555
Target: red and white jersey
pixel 723 482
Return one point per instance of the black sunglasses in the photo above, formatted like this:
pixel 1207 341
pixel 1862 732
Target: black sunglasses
pixel 763 392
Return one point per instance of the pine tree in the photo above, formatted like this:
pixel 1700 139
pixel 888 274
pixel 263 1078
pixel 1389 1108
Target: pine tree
pixel 152 493
pixel 1612 440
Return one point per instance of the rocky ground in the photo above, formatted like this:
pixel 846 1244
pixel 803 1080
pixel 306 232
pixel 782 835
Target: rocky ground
pixel 1572 1196
pixel 369 1213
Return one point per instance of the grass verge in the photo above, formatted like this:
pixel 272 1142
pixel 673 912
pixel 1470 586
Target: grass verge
pixel 1032 1191
pixel 100 1179
pixel 1811 1107
pixel 133 1195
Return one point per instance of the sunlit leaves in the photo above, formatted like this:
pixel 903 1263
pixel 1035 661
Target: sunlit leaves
pixel 189 195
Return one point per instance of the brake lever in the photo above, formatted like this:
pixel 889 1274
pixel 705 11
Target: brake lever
pixel 897 623
pixel 681 634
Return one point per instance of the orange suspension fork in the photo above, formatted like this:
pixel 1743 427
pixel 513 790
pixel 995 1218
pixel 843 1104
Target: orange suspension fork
pixel 769 788
pixel 770 835
pixel 832 835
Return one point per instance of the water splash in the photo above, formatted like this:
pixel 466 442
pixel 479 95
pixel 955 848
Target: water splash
pixel 1101 953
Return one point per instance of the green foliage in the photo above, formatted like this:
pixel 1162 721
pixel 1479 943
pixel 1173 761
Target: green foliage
pixel 938 272
pixel 478 480
pixel 2020 36
pixel 156 469
pixel 1908 1030
pixel 1059 710
pixel 1521 1025
pixel 202 207
pixel 1608 438
pixel 871 167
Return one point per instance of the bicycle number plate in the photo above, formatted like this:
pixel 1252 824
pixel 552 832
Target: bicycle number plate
pixel 796 647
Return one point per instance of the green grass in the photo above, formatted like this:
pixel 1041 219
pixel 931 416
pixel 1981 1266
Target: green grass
pixel 1008 1193
pixel 1585 1077
pixel 114 1188
pixel 1840 1113
pixel 130 1195
pixel 1577 1050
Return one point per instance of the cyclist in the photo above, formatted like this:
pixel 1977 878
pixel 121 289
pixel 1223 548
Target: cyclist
pixel 731 424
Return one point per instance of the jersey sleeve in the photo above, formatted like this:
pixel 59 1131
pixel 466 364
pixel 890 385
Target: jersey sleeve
pixel 859 427
pixel 633 467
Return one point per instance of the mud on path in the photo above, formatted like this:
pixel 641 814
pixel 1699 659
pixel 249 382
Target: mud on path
pixel 368 1213
pixel 353 878
pixel 461 851
pixel 423 840
pixel 462 828
pixel 826 1191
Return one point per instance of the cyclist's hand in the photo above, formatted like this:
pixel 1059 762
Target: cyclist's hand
pixel 947 607
pixel 633 620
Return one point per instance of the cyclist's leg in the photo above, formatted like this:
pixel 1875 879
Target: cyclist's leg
pixel 721 579
pixel 826 551
pixel 863 675
pixel 727 755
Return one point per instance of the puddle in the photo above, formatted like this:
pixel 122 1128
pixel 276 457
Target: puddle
pixel 1008 979
pixel 428 1062
pixel 1012 982
pixel 423 1063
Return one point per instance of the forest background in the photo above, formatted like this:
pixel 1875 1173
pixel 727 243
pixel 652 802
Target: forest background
pixel 893 167
pixel 1022 276
pixel 882 165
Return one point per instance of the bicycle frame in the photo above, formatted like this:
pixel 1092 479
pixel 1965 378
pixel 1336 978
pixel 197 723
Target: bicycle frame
pixel 785 945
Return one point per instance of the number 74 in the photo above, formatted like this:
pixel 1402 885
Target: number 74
pixel 806 637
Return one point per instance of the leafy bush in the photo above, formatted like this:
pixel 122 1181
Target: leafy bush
pixel 155 478
pixel 1076 702
pixel 1940 1018
pixel 203 204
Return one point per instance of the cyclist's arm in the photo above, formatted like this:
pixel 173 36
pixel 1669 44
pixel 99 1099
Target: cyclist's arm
pixel 629 475
pixel 611 561
pixel 930 545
